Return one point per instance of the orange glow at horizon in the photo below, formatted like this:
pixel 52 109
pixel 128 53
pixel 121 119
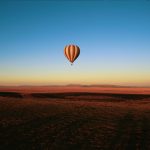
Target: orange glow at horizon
pixel 77 78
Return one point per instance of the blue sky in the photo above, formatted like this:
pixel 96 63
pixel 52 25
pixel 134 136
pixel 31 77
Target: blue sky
pixel 113 35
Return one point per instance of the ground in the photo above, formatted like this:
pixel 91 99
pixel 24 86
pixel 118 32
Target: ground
pixel 74 120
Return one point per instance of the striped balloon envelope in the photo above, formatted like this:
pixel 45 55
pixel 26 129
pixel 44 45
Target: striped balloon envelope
pixel 72 52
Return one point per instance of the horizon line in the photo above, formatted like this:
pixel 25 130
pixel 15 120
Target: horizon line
pixel 80 85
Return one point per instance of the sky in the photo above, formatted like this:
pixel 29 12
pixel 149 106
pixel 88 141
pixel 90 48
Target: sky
pixel 113 36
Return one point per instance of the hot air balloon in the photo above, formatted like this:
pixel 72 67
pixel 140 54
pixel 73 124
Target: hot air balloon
pixel 72 52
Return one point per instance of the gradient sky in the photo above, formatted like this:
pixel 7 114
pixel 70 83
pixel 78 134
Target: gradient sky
pixel 113 35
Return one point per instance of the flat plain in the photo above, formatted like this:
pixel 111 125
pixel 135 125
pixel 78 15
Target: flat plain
pixel 74 118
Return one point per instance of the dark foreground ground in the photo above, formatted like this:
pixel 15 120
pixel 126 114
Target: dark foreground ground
pixel 74 121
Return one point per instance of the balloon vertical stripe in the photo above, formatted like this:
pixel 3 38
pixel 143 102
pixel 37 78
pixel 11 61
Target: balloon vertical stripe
pixel 71 52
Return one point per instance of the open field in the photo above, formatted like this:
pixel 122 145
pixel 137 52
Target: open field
pixel 67 119
pixel 62 89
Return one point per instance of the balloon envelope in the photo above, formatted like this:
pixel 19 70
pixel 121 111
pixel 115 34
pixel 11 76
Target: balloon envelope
pixel 72 52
